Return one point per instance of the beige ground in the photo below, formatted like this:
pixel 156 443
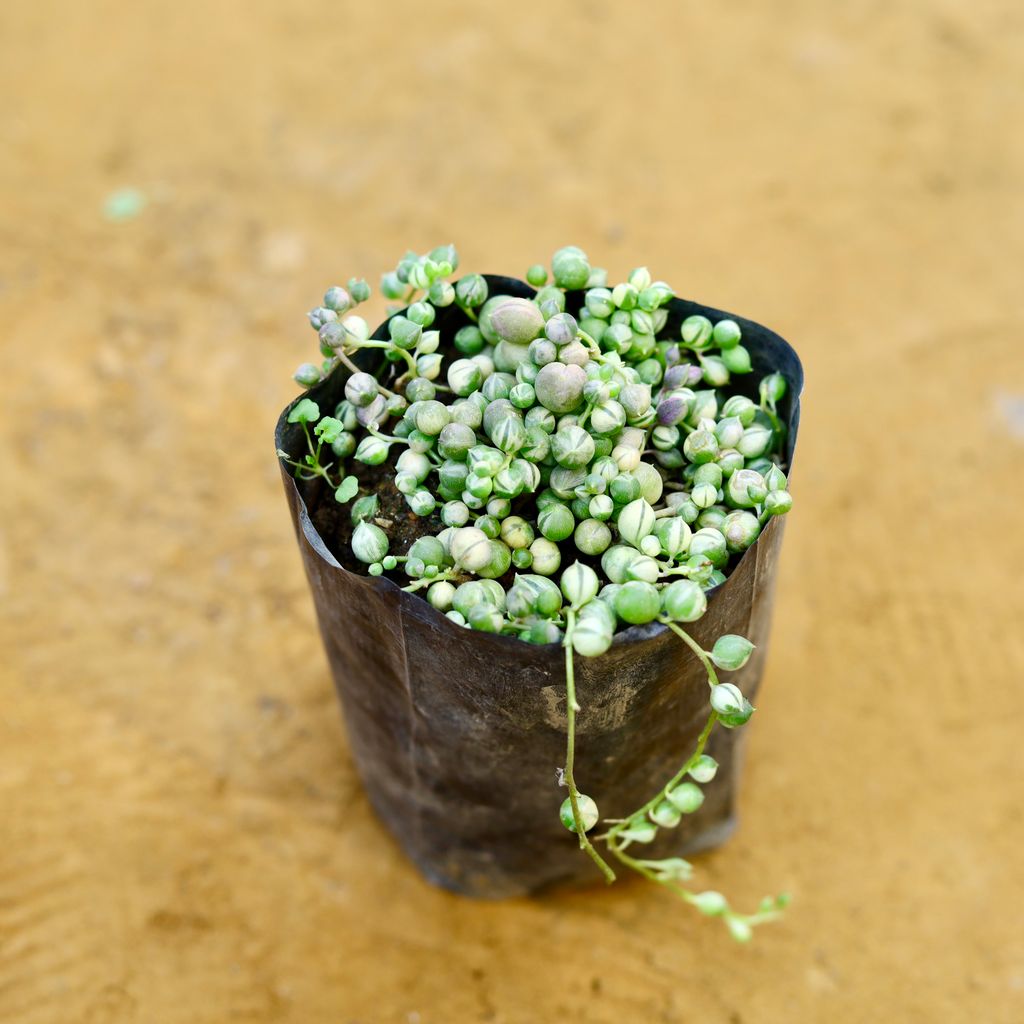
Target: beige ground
pixel 182 838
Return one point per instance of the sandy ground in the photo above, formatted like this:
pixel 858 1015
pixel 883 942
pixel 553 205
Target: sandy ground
pixel 182 837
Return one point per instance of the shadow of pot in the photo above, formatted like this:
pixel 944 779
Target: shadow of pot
pixel 457 735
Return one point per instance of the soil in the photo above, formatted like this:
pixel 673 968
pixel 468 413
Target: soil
pixel 334 522
pixel 182 836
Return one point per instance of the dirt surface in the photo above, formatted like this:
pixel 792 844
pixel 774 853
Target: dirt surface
pixel 182 837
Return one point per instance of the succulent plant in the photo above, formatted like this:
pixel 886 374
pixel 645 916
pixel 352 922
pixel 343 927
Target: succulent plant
pixel 578 469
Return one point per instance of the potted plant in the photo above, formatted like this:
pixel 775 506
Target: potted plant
pixel 540 521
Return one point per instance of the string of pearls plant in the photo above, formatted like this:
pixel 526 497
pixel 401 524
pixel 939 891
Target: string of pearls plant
pixel 573 473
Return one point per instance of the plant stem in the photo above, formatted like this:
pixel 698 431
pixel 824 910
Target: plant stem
pixel 652 876
pixel 595 350
pixel 427 580
pixel 315 468
pixel 696 648
pixel 674 781
pixel 571 707
pixel 391 439
pixel 346 362
pixel 407 356
pixel 677 570
pixel 305 472
pixel 582 421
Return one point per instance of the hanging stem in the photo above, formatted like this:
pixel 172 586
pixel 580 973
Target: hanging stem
pixel 642 868
pixel 613 833
pixel 571 707
pixel 697 649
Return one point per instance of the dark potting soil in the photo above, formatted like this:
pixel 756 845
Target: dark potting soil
pixel 334 521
